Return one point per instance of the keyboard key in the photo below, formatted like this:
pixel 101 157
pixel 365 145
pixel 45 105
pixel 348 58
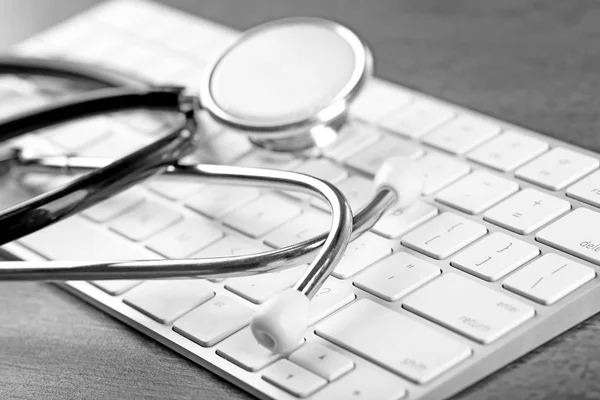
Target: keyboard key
pixel 166 300
pixel 418 118
pixel 508 151
pixel 494 256
pixel 262 215
pixel 150 123
pixel 443 235
pixel 353 137
pixel 364 384
pixel 114 145
pixel 145 220
pixel 115 205
pixel 527 211
pixel 76 135
pixel 259 158
pixel 322 360
pixel 576 233
pixel 393 341
pixel 217 200
pixel 370 158
pixel 243 350
pixel 228 246
pixel 174 189
pixel 322 169
pixel 462 134
pixel 477 192
pixel 587 189
pixel 293 379
pixel 311 223
pixel 557 168
pixel 469 308
pixel 377 100
pixel 549 279
pixel 358 191
pixel 213 321
pixel 396 276
pixel 440 170
pixel 259 288
pixel 185 238
pixel 397 222
pixel 360 253
pixel 332 296
pixel 81 240
pixel 116 287
pixel 225 147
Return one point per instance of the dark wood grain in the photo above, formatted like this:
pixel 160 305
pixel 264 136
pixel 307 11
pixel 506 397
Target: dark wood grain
pixel 534 63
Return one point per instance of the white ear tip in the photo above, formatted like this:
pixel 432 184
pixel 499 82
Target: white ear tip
pixel 402 175
pixel 280 324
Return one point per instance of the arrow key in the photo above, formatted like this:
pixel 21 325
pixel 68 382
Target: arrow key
pixel 293 379
pixel 322 360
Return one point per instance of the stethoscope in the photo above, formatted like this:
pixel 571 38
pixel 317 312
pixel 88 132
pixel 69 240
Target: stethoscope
pixel 287 84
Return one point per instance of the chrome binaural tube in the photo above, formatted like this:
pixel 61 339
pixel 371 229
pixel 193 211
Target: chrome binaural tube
pixel 332 245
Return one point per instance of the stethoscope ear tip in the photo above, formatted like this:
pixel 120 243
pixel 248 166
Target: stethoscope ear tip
pixel 279 325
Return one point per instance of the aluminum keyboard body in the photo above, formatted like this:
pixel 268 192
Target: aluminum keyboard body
pixel 493 262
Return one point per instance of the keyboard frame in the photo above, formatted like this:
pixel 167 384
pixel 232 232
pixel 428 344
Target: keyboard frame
pixel 549 321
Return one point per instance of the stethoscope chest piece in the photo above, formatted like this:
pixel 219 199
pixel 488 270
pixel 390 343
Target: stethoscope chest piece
pixel 288 83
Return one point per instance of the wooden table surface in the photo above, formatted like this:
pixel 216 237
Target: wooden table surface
pixel 533 63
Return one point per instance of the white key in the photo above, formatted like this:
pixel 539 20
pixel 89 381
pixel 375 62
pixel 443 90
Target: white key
pixel 527 211
pixel 462 134
pixel 145 122
pixel 260 288
pixel 226 147
pixel 508 151
pixel 76 135
pixel 549 279
pixel 145 220
pixel 243 350
pixel 364 384
pixel 264 159
pixel 469 308
pixel 443 235
pixel 174 189
pixel 576 233
pixel 293 379
pixel 353 137
pixel 393 341
pixel 213 321
pixel 357 190
pixel 116 144
pixel 397 222
pixel 217 200
pixel 370 158
pixel 418 118
pixel 332 296
pixel 396 276
pixel 322 360
pixel 166 300
pixel 311 223
pixel 557 168
pixel 115 205
pixel 228 246
pixel 322 169
pixel 377 100
pixel 360 253
pixel 116 287
pixel 262 215
pixel 440 170
pixel 80 240
pixel 185 238
pixel 477 192
pixel 587 189
pixel 494 256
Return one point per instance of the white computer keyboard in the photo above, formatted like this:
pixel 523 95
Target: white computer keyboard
pixel 498 257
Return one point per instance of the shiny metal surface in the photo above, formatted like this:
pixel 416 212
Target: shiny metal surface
pixel 332 245
pixel 283 80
